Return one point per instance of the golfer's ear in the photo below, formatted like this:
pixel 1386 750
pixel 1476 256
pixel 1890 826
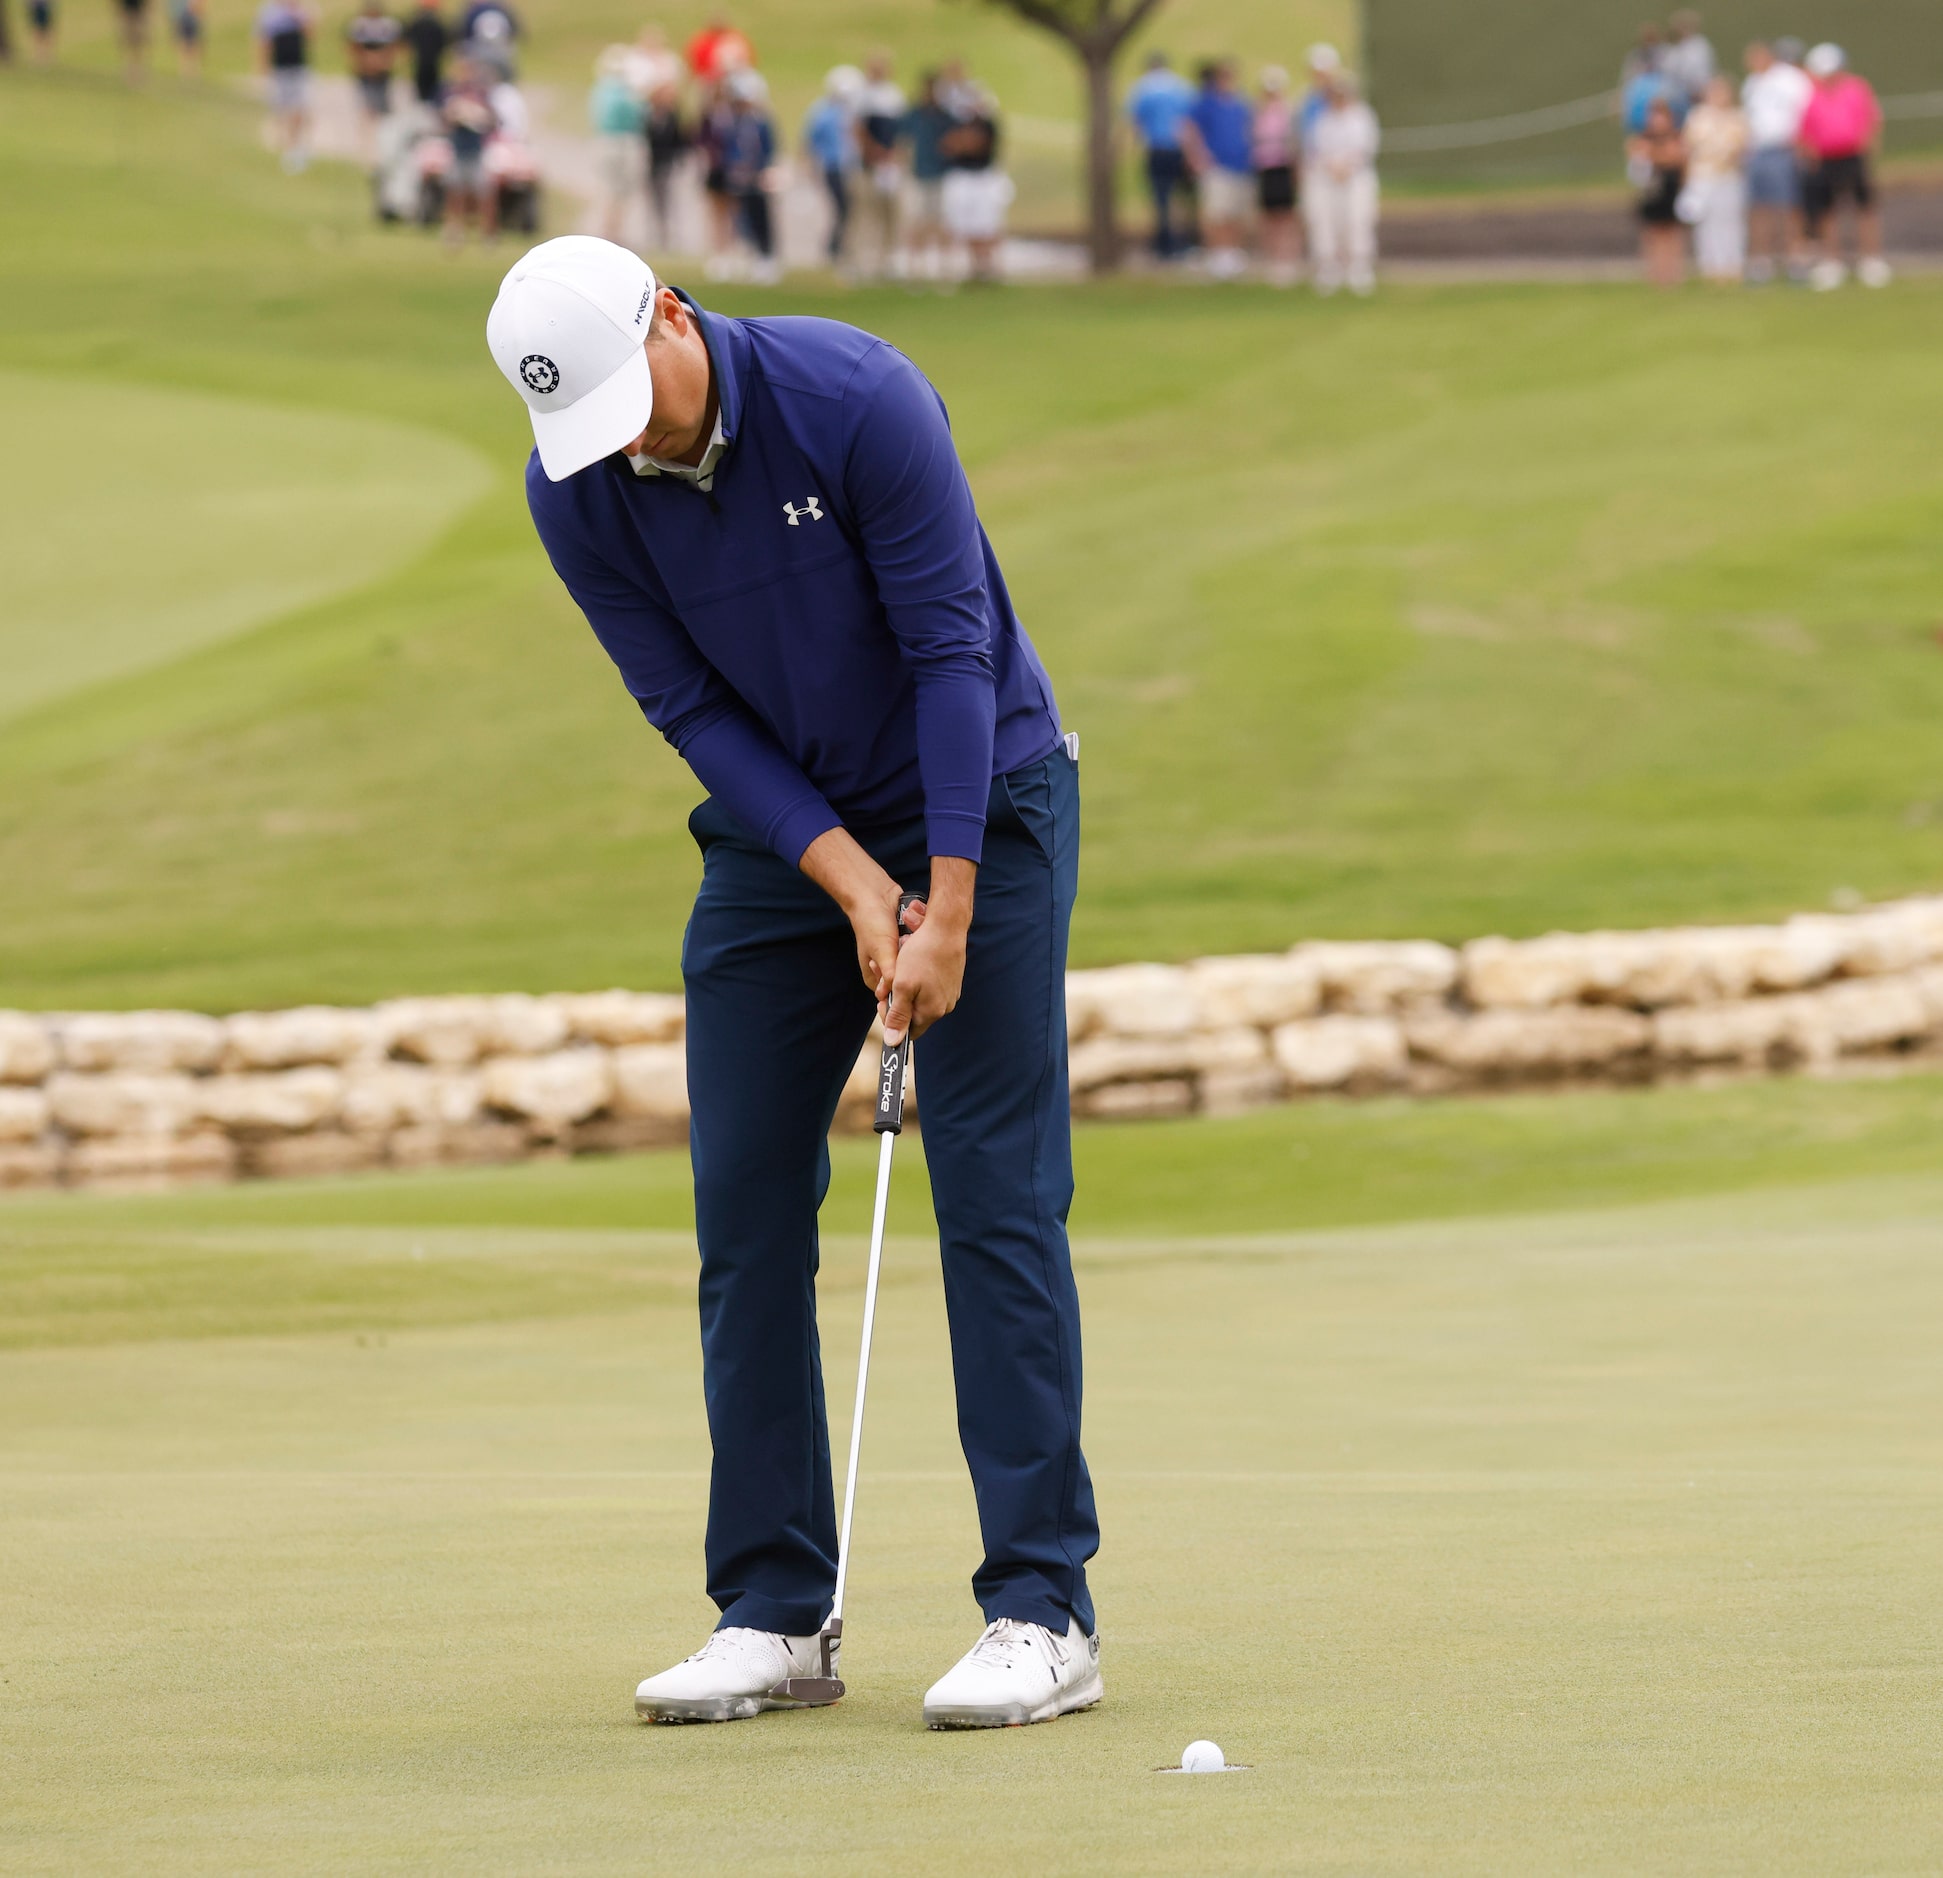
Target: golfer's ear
pixel 671 316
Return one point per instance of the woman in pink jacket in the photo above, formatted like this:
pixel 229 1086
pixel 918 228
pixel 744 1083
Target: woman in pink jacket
pixel 1840 129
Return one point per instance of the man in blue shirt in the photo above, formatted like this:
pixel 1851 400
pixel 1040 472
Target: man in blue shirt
pixel 1324 62
pixel 830 137
pixel 1219 135
pixel 1158 101
pixel 767 526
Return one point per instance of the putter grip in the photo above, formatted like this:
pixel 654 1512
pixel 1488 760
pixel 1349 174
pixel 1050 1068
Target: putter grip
pixel 890 1089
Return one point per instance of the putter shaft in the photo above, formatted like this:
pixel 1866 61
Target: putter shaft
pixel 888 1142
pixel 816 1691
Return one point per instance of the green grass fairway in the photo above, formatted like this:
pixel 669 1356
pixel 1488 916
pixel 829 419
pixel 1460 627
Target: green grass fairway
pixel 255 518
pixel 1493 608
pixel 370 1253
pixel 1601 1542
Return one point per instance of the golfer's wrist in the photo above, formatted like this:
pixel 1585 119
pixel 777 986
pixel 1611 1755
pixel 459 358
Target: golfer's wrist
pixel 949 903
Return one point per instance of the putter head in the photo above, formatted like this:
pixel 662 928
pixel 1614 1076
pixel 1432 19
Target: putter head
pixel 808 1691
pixel 816 1691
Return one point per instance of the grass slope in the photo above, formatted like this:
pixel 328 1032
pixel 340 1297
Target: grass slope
pixel 254 518
pixel 1494 608
pixel 1600 1543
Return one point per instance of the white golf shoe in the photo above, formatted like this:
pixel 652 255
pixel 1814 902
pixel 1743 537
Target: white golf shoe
pixel 1017 1673
pixel 729 1678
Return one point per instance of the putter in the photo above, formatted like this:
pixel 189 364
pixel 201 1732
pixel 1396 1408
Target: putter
pixel 820 1691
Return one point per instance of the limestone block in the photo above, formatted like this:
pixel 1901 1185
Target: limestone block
pixel 1340 1052
pixel 23 1114
pixel 622 1017
pixel 152 1159
pixel 1800 952
pixel 312 1033
pixel 1864 1014
pixel 29 1164
pixel 27 1050
pixel 1131 1001
pixel 1135 1101
pixel 1654 970
pixel 1372 977
pixel 550 1091
pixel 453 1032
pixel 1229 1051
pixel 140 1040
pixel 651 1081
pixel 272 1102
pixel 1928 982
pixel 122 1103
pixel 1648 970
pixel 518 1025
pixel 1265 989
pixel 1692 965
pixel 299 1157
pixel 447 1032
pixel 1893 938
pixel 1529 1043
pixel 1744 1030
pixel 379 1097
pixel 1102 1061
pixel 1526 974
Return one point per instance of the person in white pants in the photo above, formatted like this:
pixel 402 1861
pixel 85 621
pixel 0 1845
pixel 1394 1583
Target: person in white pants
pixel 1339 190
pixel 1716 190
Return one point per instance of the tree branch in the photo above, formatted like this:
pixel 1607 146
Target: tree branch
pixel 1047 13
pixel 1133 22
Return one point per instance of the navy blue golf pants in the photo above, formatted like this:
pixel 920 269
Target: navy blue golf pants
pixel 777 1013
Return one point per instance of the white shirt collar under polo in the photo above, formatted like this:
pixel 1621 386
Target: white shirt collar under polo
pixel 702 472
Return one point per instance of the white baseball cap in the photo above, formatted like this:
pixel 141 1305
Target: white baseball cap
pixel 568 330
pixel 1826 60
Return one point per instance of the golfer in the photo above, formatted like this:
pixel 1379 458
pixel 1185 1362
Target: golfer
pixel 767 526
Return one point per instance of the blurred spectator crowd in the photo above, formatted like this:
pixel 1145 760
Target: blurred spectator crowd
pixel 450 145
pixel 1292 178
pixel 1770 180
pixel 914 184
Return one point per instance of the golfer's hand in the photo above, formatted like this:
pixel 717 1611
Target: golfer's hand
pixel 868 896
pixel 930 975
pixel 930 971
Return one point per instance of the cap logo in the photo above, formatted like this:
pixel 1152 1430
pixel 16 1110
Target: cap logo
pixel 539 373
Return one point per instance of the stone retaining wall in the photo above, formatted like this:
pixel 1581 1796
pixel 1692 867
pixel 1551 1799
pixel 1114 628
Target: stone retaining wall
pixel 143 1095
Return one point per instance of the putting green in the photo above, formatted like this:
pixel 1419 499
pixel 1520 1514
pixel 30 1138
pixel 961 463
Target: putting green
pixel 1579 1542
pixel 138 524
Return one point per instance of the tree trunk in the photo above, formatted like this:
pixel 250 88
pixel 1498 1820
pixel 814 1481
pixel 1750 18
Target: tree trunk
pixel 1102 172
pixel 6 33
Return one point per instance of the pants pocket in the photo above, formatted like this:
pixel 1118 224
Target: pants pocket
pixel 1029 794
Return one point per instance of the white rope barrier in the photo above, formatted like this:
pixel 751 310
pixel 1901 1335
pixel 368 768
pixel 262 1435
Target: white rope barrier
pixel 1427 138
pixel 1502 129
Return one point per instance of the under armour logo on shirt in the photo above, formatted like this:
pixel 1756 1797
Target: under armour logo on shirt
pixel 811 507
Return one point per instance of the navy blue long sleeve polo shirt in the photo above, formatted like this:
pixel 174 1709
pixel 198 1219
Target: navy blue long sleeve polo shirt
pixel 822 631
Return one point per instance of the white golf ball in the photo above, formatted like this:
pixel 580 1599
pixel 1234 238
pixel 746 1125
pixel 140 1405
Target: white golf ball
pixel 1201 1757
